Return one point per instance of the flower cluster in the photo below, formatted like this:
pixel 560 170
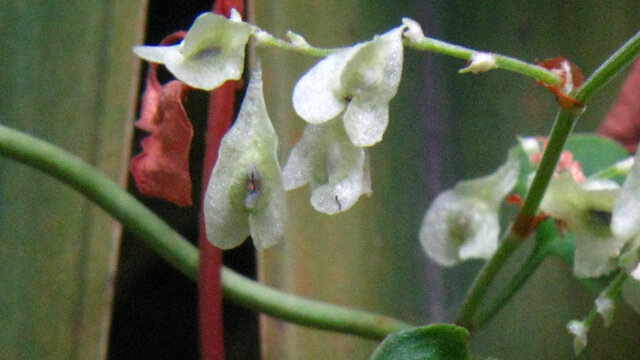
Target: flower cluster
pixel 357 82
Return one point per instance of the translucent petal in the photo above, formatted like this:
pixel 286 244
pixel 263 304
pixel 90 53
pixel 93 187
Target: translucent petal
pixel 579 331
pixel 342 192
pixel 245 192
pixel 338 171
pixel 586 209
pixel 462 223
pixel 494 187
pixel 606 308
pixel 317 96
pixel 366 122
pixel 625 220
pixel 267 225
pixel 374 72
pixel 155 53
pixel 211 53
pixel 297 170
pixel 595 253
pixel 457 228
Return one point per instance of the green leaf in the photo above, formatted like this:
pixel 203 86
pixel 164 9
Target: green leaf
pixel 595 152
pixel 433 342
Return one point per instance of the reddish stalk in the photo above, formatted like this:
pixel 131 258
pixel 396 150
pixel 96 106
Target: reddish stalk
pixel 221 111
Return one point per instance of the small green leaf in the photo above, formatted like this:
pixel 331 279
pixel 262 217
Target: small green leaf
pixel 433 342
pixel 595 152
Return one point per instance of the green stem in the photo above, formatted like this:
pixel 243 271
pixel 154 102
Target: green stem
pixel 611 291
pixel 519 279
pixel 248 293
pixel 265 39
pixel 607 70
pixel 176 250
pixel 502 62
pixel 484 279
pixel 522 226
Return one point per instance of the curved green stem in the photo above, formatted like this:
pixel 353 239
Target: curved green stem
pixel 522 227
pixel 171 246
pixel 316 314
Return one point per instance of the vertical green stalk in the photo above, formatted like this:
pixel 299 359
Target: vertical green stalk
pixel 522 226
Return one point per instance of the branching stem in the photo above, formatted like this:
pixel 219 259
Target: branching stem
pixel 522 227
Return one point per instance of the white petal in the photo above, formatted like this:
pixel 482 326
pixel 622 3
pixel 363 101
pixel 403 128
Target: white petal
pixel 494 187
pixel 595 254
pixel 625 220
pixel 338 171
pixel 341 192
pixel 579 331
pixel 366 122
pixel 268 225
pixel 297 170
pixel 457 228
pixel 606 308
pixel 156 53
pixel 373 73
pixel 317 97
pixel 245 192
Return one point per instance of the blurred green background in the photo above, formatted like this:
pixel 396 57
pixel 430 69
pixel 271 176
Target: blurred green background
pixel 68 75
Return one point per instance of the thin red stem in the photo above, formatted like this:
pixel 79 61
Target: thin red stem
pixel 221 111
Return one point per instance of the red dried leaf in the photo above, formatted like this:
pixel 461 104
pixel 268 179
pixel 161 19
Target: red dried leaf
pixel 571 78
pixel 623 121
pixel 162 169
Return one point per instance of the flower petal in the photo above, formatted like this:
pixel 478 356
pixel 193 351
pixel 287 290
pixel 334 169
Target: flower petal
pixel 462 223
pixel 586 209
pixel 211 53
pixel 245 193
pixel 366 122
pixel 373 73
pixel 156 54
pixel 457 228
pixel 338 171
pixel 317 97
pixel 625 221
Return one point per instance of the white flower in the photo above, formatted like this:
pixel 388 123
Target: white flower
pixel 245 193
pixel 462 223
pixel 337 170
pixel 359 80
pixel 579 331
pixel 606 308
pixel 210 54
pixel 586 209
